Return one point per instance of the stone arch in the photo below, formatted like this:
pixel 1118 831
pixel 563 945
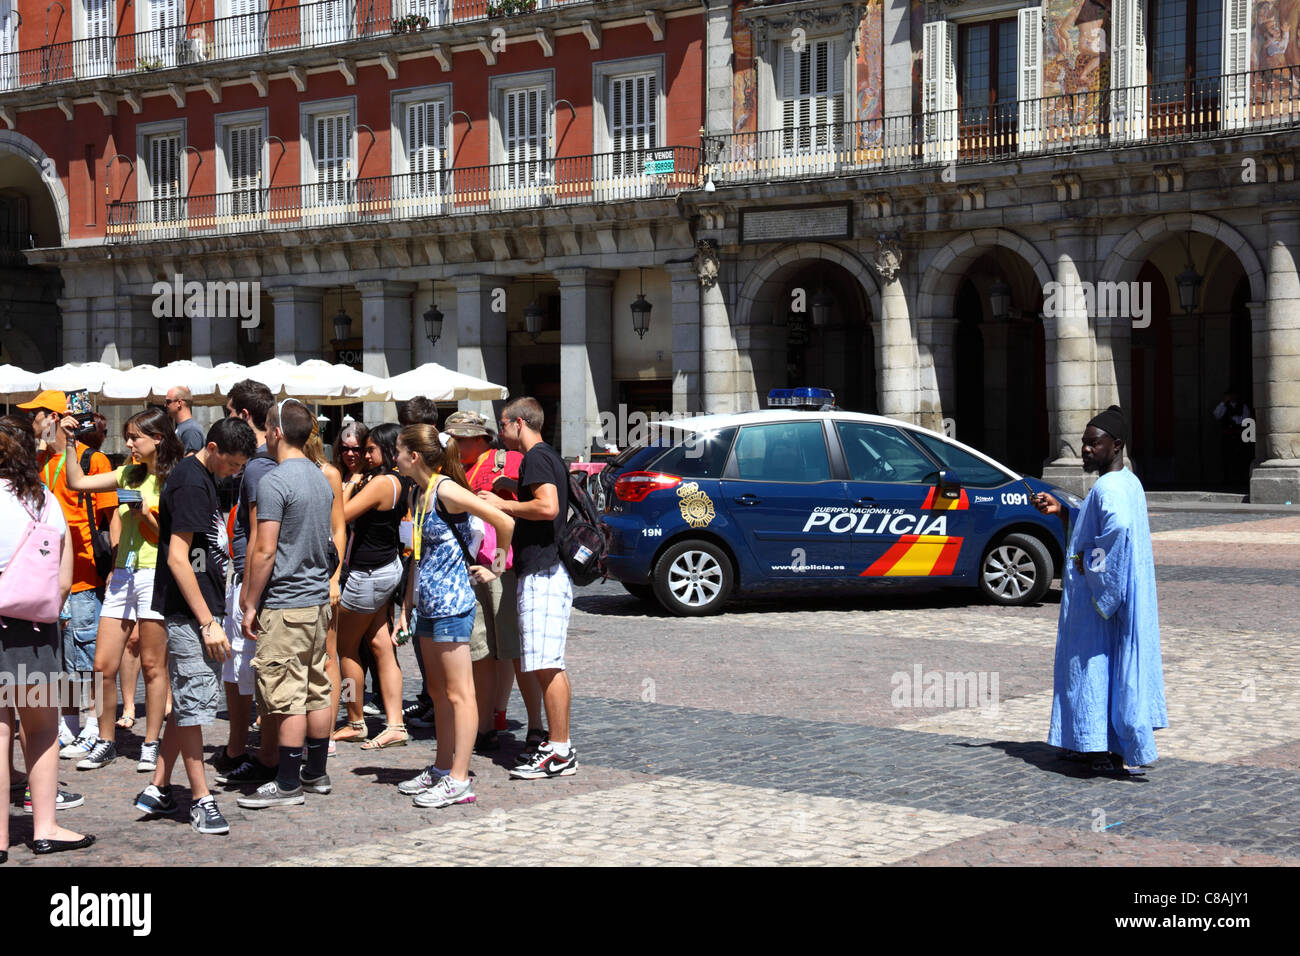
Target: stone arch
pixel 1136 246
pixel 799 252
pixel 943 274
pixel 25 147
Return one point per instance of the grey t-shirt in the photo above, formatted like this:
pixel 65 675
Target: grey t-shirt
pixel 191 435
pixel 298 495
pixel 256 469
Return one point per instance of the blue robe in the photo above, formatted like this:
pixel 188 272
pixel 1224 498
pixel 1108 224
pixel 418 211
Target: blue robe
pixel 1109 690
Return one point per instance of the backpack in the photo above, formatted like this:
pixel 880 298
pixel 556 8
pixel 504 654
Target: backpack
pixel 101 544
pixel 29 584
pixel 583 543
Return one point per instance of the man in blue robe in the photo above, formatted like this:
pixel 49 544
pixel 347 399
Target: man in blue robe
pixel 1109 693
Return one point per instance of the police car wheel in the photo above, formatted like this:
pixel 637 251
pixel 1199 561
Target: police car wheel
pixel 1016 570
pixel 693 578
pixel 642 592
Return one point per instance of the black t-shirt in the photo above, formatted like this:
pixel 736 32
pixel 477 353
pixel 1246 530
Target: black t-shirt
pixel 534 541
pixel 189 505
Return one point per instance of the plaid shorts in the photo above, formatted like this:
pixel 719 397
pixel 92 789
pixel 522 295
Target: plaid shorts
pixel 545 600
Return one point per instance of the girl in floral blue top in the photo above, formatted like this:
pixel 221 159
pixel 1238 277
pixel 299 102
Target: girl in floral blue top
pixel 440 588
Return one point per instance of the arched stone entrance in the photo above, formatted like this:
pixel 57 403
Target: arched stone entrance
pixel 805 317
pixel 1173 367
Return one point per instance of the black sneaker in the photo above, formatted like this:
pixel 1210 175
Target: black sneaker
pixel 546 763
pixel 251 770
pixel 155 800
pixel 103 753
pixel 206 818
pixel 422 718
pixel 223 763
pixel 486 742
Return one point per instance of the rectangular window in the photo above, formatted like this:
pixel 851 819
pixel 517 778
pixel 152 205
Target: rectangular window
pixel 244 163
pixel 1186 60
pixel 986 84
pixel 525 115
pixel 164 177
pixel 425 143
pixel 812 96
pixel 332 153
pixel 96 54
pixel 633 123
pixel 325 22
pixel 240 32
pixel 8 45
pixel 161 45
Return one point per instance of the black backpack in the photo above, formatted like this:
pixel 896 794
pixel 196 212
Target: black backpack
pixel 101 544
pixel 583 544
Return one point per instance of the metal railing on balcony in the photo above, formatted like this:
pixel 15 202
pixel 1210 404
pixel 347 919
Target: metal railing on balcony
pixel 567 180
pixel 285 28
pixel 1158 113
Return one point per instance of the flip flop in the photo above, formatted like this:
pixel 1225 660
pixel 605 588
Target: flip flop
pixel 126 722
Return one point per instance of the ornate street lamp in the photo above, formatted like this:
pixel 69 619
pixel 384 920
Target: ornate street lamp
pixel 1000 299
pixel 641 311
pixel 433 324
pixel 254 333
pixel 1189 282
pixel 534 315
pixel 174 331
pixel 342 322
pixel 822 303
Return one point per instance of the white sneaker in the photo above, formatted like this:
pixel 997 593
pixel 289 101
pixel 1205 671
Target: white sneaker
pixel 426 781
pixel 79 748
pixel 444 793
pixel 66 736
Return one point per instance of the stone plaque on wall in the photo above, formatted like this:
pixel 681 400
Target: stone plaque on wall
pixel 797 222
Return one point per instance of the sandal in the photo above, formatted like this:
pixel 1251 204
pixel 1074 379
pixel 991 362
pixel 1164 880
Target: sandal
pixel 383 740
pixel 358 732
pixel 126 721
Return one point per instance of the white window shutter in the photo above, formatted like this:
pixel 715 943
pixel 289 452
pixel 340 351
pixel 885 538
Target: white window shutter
pixel 99 28
pixel 244 160
pixel 164 175
pixel 939 92
pixel 1128 108
pixel 333 149
pixel 1029 78
pixel 1235 97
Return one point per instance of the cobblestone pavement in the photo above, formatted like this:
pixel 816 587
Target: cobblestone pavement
pixel 779 733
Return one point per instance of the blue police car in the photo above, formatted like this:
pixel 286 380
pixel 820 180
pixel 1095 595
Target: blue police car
pixel 804 494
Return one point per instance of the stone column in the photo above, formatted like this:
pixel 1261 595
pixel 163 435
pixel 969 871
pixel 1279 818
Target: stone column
pixel 77 314
pixel 718 69
pixel 939 336
pixel 1276 359
pixel 481 350
pixel 213 341
pixel 1071 375
pixel 299 322
pixel 385 336
pixel 996 334
pixel 722 385
pixel 898 57
pixel 686 338
pixel 899 356
pixel 586 356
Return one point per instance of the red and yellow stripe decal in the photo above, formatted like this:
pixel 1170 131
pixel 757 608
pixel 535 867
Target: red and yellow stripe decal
pixel 934 503
pixel 917 555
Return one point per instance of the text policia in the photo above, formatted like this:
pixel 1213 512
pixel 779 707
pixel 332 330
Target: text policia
pixel 875 521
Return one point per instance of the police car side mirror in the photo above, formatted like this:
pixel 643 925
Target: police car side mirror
pixel 949 484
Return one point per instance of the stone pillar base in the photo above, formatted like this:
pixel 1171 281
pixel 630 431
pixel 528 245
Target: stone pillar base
pixel 1066 473
pixel 1275 482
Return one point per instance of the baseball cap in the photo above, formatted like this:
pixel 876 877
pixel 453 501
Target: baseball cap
pixel 51 400
pixel 466 425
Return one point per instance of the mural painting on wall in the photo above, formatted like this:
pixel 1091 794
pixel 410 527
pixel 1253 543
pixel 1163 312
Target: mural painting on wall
pixel 744 95
pixel 871 74
pixel 1076 63
pixel 1275 48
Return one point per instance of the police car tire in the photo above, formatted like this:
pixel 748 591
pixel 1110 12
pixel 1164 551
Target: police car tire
pixel 702 554
pixel 1037 553
pixel 642 592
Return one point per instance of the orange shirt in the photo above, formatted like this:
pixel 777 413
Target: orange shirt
pixel 53 471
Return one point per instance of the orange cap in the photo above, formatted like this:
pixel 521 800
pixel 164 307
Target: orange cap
pixel 51 400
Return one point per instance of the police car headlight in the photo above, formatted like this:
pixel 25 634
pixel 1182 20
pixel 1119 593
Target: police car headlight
pixel 1066 497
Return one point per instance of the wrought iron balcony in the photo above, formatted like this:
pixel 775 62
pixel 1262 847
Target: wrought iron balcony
pixel 435 192
pixel 268 31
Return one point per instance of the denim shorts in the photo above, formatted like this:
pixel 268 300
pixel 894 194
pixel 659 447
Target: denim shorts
pixel 456 629
pixel 80 630
pixel 368 591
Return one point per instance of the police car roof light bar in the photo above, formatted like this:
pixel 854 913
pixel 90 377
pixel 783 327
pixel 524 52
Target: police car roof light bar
pixel 803 397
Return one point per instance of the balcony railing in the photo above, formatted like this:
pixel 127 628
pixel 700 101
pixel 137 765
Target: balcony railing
pixel 565 181
pixel 282 29
pixel 1111 119
pixel 1160 113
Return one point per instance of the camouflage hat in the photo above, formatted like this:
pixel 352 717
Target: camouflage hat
pixel 467 425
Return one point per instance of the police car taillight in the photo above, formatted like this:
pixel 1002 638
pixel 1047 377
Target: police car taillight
pixel 635 485
pixel 803 397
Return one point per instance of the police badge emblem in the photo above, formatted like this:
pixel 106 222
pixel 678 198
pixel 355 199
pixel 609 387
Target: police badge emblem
pixel 696 506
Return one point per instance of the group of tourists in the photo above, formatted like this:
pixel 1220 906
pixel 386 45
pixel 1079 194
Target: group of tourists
pixel 283 602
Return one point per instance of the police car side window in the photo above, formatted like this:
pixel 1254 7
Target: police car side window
pixel 697 456
pixel 971 470
pixel 880 453
pixel 783 451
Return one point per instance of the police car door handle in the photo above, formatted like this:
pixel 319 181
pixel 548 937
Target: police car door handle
pixel 747 499
pixel 865 501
